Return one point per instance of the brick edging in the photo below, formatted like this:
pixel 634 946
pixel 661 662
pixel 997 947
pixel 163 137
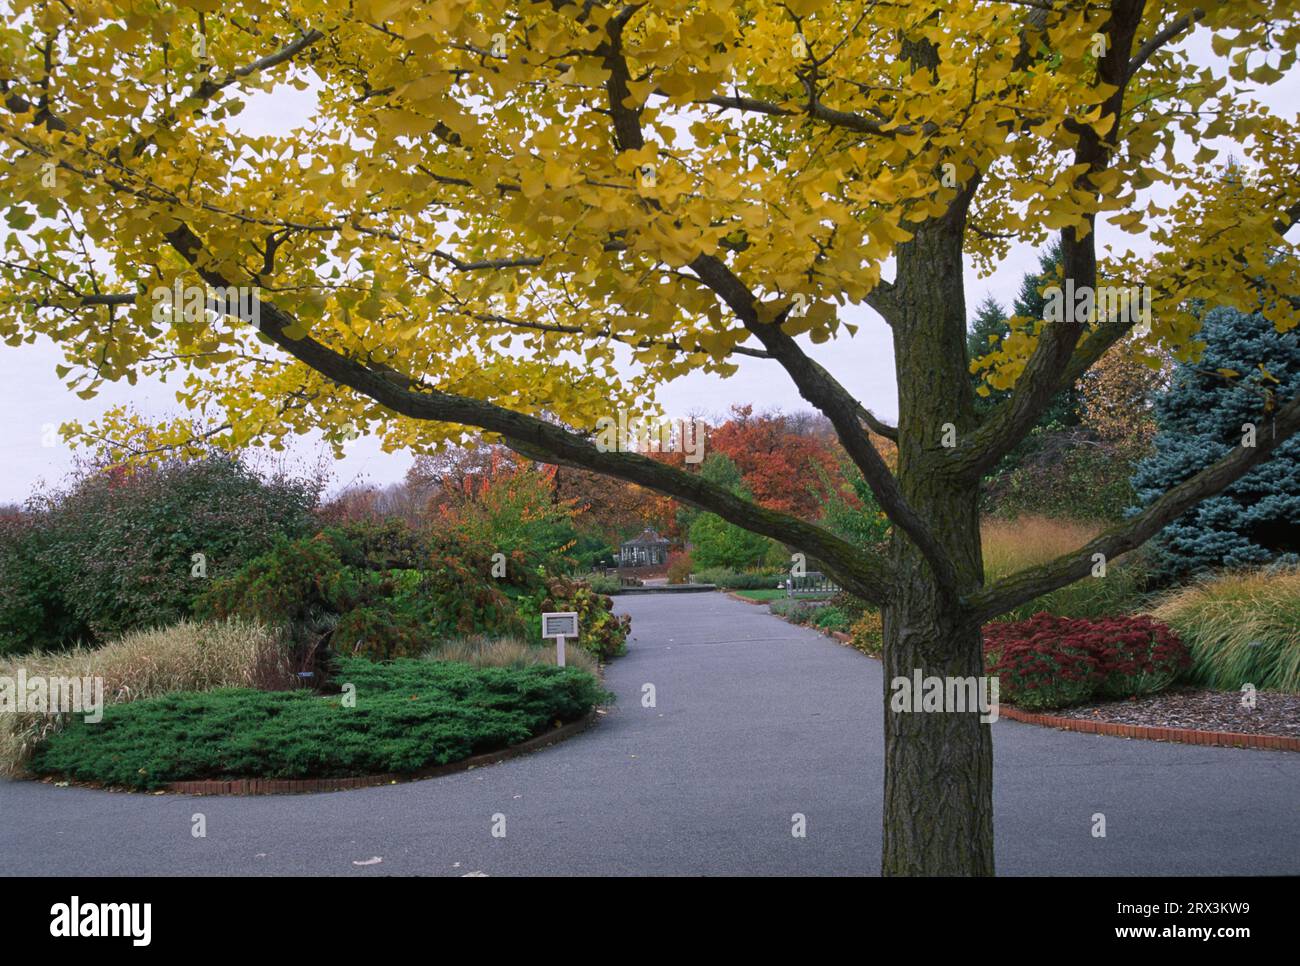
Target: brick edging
pixel 295 786
pixel 745 600
pixel 1189 736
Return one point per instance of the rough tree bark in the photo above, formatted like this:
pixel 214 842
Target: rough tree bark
pixel 938 802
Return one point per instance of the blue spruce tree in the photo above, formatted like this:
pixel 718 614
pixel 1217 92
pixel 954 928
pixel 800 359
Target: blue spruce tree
pixel 1200 419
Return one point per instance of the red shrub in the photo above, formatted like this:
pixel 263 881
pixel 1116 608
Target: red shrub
pixel 1051 662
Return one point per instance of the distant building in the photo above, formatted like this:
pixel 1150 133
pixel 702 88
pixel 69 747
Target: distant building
pixel 647 549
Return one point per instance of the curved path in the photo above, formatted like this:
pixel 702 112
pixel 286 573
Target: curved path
pixel 755 720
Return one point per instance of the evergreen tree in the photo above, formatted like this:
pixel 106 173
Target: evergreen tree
pixel 987 329
pixel 991 320
pixel 1200 418
pixel 1030 303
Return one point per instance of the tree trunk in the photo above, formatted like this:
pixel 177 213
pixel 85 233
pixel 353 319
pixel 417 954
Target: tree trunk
pixel 938 806
pixel 938 811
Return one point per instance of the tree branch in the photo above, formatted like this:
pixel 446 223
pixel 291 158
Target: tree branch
pixel 1161 38
pixel 867 575
pixel 1057 343
pixel 1025 586
pixel 817 386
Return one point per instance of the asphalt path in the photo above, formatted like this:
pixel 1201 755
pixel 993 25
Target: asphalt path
pixel 754 721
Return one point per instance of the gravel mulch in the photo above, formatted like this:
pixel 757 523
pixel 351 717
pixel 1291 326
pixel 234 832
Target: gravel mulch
pixel 1274 713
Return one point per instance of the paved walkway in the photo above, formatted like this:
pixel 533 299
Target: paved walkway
pixel 755 720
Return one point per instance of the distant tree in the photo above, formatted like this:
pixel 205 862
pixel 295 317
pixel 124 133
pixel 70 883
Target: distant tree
pixel 511 508
pixel 990 327
pixel 1212 407
pixel 612 510
pixel 714 541
pixel 717 543
pixel 782 465
pixel 720 470
pixel 987 329
pixel 1118 399
pixel 851 509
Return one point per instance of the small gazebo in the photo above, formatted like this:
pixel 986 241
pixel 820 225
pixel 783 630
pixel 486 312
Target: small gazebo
pixel 647 549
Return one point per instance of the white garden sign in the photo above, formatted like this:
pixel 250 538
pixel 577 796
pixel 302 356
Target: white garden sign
pixel 560 625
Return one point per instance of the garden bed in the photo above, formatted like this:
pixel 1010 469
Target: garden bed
pixel 409 716
pixel 1197 709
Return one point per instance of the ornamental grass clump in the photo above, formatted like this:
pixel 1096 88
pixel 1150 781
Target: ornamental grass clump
pixel 1241 628
pixel 188 656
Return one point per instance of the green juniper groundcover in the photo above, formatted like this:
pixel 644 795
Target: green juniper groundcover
pixel 408 715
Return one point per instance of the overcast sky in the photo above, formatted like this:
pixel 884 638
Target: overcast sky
pixel 33 399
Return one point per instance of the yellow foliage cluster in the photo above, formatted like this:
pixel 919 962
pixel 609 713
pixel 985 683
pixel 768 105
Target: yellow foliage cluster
pixel 470 209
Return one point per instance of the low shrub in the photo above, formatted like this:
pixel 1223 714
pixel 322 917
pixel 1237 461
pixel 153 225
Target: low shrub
pixel 1241 628
pixel 852 607
pixel 482 651
pixel 1124 589
pixel 679 568
pixel 1052 662
pixel 381 632
pixel 729 579
pixel 831 618
pixel 600 631
pixel 369 589
pixel 188 656
pixel 794 610
pixel 602 583
pixel 408 715
pixel 868 634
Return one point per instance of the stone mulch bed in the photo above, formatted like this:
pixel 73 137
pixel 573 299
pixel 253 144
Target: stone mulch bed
pixel 1201 710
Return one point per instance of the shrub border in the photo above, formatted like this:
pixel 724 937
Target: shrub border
pixel 1187 736
pixel 298 786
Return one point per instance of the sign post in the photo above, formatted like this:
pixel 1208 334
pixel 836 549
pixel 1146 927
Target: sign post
pixel 559 625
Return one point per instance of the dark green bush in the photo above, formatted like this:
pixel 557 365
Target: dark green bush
pixel 35 613
pixel 374 589
pixel 408 715
pixel 115 550
pixel 831 618
pixel 728 579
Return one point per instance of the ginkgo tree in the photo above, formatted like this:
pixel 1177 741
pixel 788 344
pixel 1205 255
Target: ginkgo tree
pixel 519 218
